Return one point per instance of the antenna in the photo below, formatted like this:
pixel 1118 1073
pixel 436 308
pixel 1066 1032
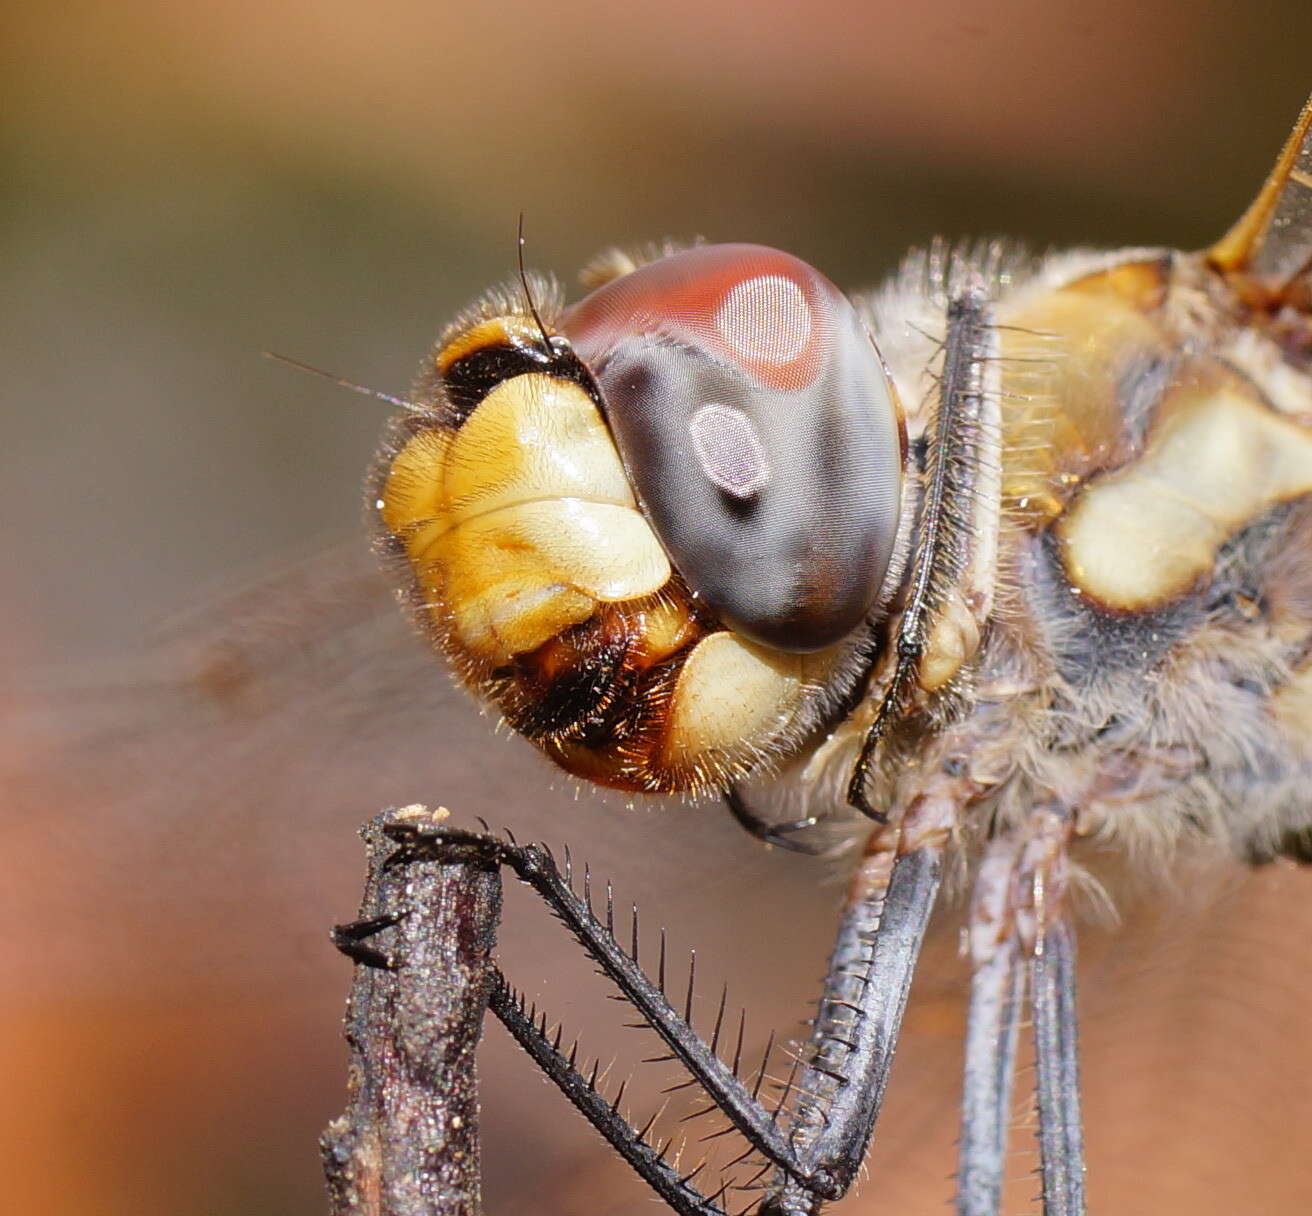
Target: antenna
pixel 339 380
pixel 528 295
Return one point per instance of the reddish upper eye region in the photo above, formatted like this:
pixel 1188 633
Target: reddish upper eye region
pixel 756 308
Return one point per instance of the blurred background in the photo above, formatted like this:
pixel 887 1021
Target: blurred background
pixel 205 687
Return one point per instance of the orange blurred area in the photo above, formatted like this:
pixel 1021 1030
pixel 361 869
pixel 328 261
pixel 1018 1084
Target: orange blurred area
pixel 188 186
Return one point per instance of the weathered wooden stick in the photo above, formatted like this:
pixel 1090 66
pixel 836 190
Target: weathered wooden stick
pixel 408 1144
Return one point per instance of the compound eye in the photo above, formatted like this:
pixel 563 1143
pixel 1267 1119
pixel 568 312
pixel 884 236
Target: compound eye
pixel 756 423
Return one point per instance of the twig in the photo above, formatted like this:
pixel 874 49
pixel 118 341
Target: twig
pixel 408 1144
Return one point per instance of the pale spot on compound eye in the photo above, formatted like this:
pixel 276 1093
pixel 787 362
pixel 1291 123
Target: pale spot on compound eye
pixel 766 319
pixel 729 449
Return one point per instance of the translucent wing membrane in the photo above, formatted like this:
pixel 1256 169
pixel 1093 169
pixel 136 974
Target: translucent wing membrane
pixel 1271 246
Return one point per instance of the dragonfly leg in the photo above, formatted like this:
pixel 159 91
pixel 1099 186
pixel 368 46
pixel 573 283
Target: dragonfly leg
pixel 1019 930
pixel 676 1189
pixel 860 1011
pixel 996 995
pixel 534 865
pixel 784 835
pixel 351 939
pixel 1043 876
pixel 1061 1136
pixel 843 1079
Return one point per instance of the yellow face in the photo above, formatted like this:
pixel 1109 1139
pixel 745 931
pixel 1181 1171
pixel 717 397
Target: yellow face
pixel 677 641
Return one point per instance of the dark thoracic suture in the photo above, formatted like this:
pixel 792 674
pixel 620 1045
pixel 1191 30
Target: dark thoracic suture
pixel 952 468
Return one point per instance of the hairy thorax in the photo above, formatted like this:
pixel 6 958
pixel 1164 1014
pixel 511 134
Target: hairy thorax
pixel 1129 636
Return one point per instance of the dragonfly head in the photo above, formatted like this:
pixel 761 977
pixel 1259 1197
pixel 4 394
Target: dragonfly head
pixel 654 528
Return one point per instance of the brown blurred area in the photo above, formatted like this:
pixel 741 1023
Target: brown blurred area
pixel 187 185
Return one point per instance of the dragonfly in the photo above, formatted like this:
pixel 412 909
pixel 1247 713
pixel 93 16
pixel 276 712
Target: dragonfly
pixel 1001 562
pixel 1053 332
